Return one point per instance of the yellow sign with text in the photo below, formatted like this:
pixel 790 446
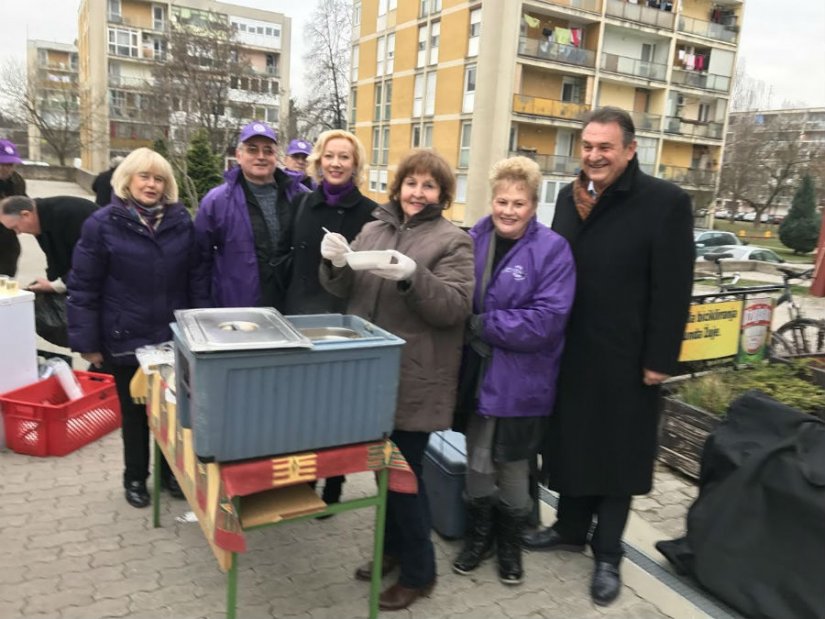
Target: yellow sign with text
pixel 712 331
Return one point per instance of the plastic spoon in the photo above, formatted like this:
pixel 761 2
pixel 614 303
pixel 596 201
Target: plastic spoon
pixel 349 251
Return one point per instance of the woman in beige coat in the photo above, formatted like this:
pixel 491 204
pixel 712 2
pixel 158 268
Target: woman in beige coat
pixel 424 298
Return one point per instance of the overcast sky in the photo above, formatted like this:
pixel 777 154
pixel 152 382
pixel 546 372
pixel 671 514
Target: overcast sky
pixel 783 44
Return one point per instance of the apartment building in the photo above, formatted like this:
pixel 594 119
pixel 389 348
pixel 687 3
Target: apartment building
pixel 121 43
pixel 51 74
pixel 481 80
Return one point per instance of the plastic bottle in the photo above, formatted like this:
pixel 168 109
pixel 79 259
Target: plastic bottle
pixel 67 379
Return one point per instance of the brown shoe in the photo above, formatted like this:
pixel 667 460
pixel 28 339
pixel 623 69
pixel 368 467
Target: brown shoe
pixel 388 564
pixel 398 596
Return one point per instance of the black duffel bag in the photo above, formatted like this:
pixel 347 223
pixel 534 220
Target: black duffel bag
pixel 50 318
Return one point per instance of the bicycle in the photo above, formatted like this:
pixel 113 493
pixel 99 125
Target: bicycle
pixel 800 335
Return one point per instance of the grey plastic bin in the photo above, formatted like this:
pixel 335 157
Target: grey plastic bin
pixel 444 469
pixel 254 403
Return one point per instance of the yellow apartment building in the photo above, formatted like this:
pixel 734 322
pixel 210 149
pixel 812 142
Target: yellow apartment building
pixel 51 74
pixel 484 79
pixel 119 43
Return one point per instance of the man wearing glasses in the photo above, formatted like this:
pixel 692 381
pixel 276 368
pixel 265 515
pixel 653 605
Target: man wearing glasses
pixel 239 223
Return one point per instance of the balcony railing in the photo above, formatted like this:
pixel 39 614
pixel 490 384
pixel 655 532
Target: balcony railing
pixel 551 164
pixel 645 121
pixel 135 83
pixel 548 108
pixel 711 30
pixel 545 50
pixel 592 6
pixel 640 14
pixel 693 128
pixel 706 81
pixel 633 66
pixel 688 176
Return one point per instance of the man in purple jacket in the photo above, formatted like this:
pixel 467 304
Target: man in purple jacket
pixel 239 223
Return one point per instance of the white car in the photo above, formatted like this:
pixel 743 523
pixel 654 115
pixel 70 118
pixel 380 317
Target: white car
pixel 747 252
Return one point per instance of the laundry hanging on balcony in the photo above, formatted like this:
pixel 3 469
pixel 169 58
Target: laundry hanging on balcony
pixel 531 21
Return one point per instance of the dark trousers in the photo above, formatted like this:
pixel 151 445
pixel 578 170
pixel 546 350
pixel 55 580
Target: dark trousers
pixel 575 515
pixel 134 426
pixel 408 518
pixel 9 252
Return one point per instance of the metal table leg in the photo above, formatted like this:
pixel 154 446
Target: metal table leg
pixel 156 485
pixel 378 547
pixel 232 587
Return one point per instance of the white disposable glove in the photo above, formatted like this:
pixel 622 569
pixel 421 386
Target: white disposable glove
pixel 401 269
pixel 334 247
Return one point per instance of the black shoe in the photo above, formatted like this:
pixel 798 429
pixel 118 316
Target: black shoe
pixel 136 494
pixel 606 583
pixel 548 539
pixel 478 538
pixel 172 485
pixel 388 564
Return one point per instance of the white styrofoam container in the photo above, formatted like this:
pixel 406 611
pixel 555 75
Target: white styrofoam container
pixel 18 343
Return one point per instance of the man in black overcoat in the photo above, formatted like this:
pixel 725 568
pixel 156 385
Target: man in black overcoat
pixel 11 184
pixel 632 240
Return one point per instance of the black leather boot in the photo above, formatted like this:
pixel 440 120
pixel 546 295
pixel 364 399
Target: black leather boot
pixel 478 535
pixel 509 527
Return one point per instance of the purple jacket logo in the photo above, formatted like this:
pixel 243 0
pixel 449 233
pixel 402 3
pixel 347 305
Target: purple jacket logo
pixel 517 272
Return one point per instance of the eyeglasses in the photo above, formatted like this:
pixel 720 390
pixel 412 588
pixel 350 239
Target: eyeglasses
pixel 266 151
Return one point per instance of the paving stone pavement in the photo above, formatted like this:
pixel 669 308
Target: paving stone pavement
pixel 73 547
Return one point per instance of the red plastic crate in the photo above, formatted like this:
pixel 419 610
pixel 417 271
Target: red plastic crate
pixel 40 420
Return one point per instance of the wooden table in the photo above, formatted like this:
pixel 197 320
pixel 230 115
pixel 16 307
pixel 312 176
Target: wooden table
pixel 231 498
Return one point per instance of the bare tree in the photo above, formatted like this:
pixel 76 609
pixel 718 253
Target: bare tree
pixel 329 33
pixel 49 104
pixel 749 93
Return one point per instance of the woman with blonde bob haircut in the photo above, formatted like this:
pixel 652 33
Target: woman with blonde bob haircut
pixel 424 297
pixel 144 160
pixel 315 168
pixel 525 280
pixel 134 265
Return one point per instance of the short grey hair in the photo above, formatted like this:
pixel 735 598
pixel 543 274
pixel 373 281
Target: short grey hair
pixel 608 114
pixel 14 205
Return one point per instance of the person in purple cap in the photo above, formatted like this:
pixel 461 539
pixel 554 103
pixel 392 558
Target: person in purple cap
pixel 295 162
pixel 11 184
pixel 240 222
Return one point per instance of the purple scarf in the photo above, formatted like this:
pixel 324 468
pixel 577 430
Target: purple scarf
pixel 333 194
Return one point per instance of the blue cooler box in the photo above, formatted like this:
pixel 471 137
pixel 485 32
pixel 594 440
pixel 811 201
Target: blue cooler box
pixel 444 470
pixel 254 403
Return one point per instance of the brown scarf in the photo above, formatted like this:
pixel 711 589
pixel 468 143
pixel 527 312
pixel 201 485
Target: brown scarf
pixel 581 196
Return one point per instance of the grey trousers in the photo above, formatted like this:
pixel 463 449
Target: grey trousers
pixel 506 481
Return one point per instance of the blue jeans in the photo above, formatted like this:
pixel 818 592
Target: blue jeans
pixel 408 524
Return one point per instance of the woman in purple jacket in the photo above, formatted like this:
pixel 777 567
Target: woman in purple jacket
pixel 525 281
pixel 134 265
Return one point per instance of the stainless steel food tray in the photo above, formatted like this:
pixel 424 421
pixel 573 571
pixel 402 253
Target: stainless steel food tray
pixel 238 328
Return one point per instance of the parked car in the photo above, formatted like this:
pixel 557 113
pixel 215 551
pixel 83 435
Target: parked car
pixel 710 240
pixel 748 252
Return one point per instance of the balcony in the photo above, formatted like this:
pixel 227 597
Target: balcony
pixel 707 29
pixel 646 122
pixel 693 128
pixel 567 54
pixel 551 164
pixel 591 6
pixel 633 66
pixel 640 14
pixel 133 83
pixel 549 108
pixel 692 177
pixel 705 81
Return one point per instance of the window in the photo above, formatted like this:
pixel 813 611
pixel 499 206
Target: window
pixel 159 49
pixel 373 180
pixel 435 6
pixel 356 14
pixel 387 100
pixel 382 7
pixel 704 112
pixel 548 193
pixel 427 136
pixel 42 56
pixel 353 100
pixel 379 102
pixel 461 188
pixel 393 4
pixel 422 46
pixel 423 6
pixel 380 56
pixel 114 10
pixel 385 148
pixel 475 32
pixel 390 53
pixel 435 35
pixel 354 69
pixel 123 42
pixel 464 145
pixel 271 63
pixel 469 89
pixel 571 90
pixel 416 136
pixel 159 17
pixel 376 145
pixel 381 21
pixel 429 99
pixel 382 181
pixel 418 95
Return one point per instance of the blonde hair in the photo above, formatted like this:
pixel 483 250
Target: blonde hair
pixel 313 161
pixel 517 170
pixel 144 160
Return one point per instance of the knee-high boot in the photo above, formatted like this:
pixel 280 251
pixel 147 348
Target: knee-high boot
pixel 478 535
pixel 509 525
